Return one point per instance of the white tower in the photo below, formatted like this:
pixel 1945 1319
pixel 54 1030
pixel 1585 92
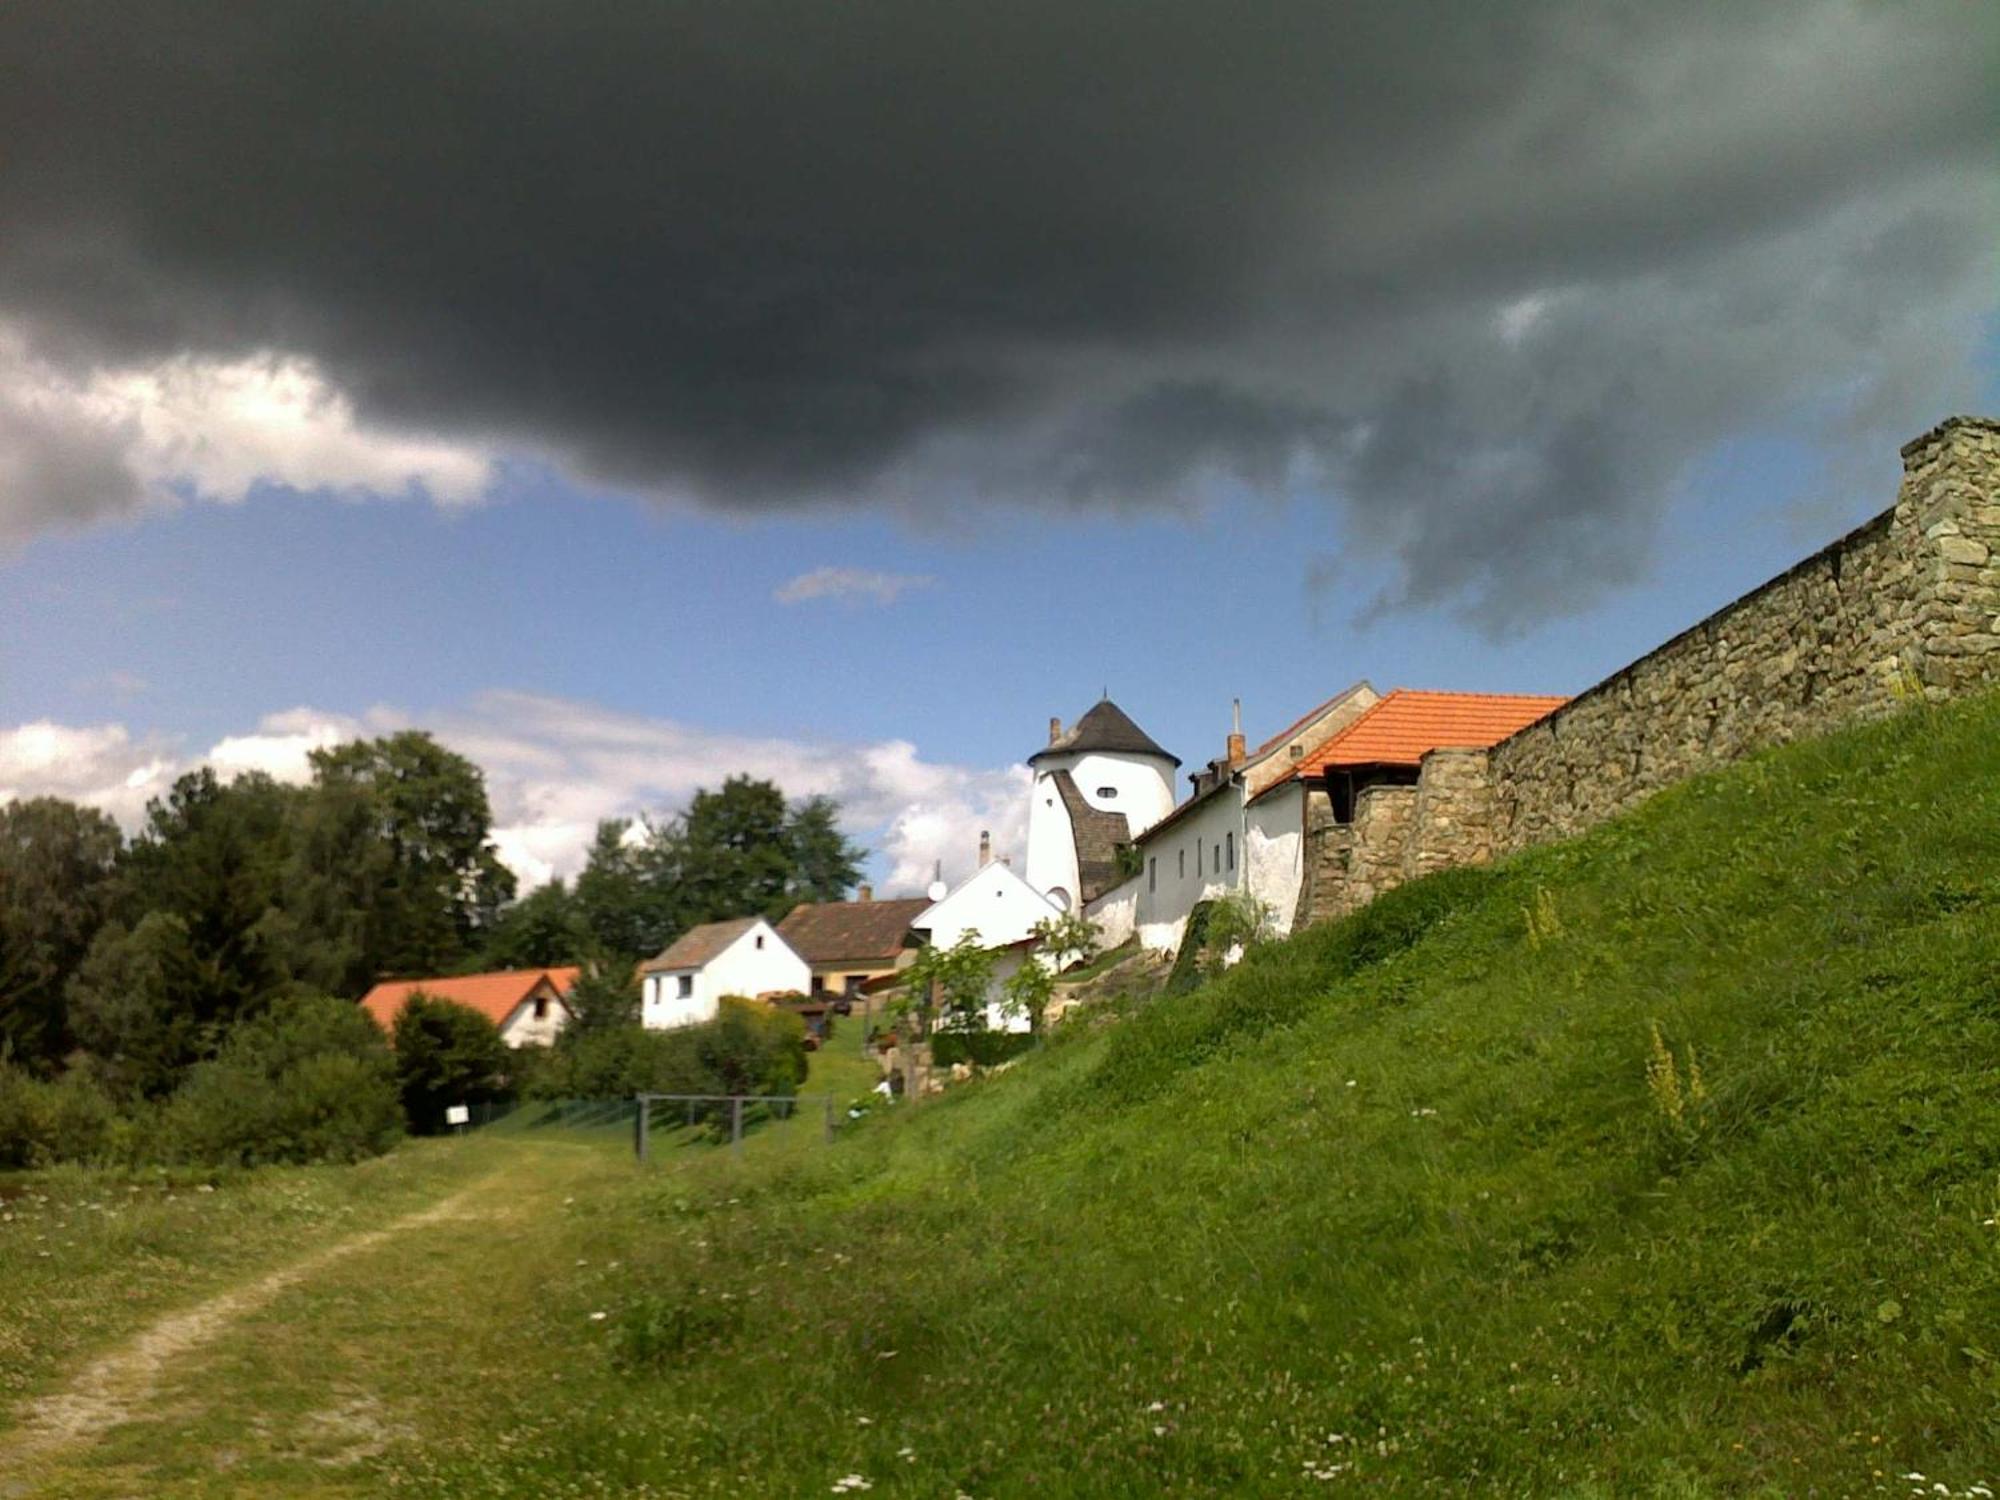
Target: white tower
pixel 1098 785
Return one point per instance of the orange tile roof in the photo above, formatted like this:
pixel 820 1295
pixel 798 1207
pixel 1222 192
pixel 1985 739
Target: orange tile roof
pixel 494 996
pixel 1402 727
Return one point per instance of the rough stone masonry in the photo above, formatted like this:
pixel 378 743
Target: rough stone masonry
pixel 1906 606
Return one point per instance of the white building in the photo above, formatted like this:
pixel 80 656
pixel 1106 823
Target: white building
pixel 994 903
pixel 529 1006
pixel 743 956
pixel 1097 786
pixel 1242 829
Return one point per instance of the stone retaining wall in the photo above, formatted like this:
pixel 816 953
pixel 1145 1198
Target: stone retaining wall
pixel 1905 606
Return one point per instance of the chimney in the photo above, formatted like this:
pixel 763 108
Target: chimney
pixel 985 848
pixel 1055 729
pixel 1237 750
pixel 868 893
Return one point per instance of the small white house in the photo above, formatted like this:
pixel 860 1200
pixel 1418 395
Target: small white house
pixel 743 956
pixel 529 1006
pixel 995 903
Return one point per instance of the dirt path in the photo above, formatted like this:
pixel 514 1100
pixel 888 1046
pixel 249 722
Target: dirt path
pixel 116 1387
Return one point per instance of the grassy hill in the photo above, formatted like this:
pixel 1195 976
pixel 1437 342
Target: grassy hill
pixel 1663 1162
pixel 1414 1201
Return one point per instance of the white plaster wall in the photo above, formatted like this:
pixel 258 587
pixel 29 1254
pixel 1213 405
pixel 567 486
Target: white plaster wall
pixel 1166 894
pixel 743 968
pixel 996 903
pixel 1274 853
pixel 521 1029
pixel 1051 860
pixel 1142 787
pixel 1115 914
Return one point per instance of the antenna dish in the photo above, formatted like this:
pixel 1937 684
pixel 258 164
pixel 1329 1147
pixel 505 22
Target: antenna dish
pixel 938 891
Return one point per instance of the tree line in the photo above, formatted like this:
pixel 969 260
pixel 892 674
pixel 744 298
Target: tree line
pixel 131 963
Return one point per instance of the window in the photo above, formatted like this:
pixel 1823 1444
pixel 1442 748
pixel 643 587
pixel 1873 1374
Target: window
pixel 1152 874
pixel 1229 843
pixel 819 984
pixel 686 986
pixel 541 1007
pixel 1298 752
pixel 1183 862
pixel 760 940
pixel 1108 793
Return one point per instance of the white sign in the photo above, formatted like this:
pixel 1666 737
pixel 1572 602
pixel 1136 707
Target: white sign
pixel 457 1114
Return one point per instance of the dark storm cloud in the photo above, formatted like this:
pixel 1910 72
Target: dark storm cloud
pixel 1489 278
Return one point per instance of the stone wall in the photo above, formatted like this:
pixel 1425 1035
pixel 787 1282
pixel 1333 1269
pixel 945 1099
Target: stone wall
pixel 1452 822
pixel 1383 816
pixel 1903 604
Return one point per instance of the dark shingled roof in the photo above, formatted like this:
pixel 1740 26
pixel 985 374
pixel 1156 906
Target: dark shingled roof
pixel 845 931
pixel 698 945
pixel 1098 835
pixel 1108 729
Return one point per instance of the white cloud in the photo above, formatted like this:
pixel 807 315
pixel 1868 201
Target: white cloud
pixel 99 764
pixel 281 744
pixel 850 584
pixel 555 767
pixel 77 447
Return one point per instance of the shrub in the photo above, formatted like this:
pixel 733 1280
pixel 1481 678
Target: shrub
pixel 446 1054
pixel 45 1121
pixel 312 1080
pixel 753 1049
pixel 984 1049
pixel 749 1048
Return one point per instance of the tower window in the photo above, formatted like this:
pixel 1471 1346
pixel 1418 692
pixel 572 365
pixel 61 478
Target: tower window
pixel 1152 875
pixel 760 940
pixel 1108 793
pixel 1184 862
pixel 1229 843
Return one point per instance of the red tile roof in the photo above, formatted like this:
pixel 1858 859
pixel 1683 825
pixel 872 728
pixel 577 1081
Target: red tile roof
pixel 1400 729
pixel 494 996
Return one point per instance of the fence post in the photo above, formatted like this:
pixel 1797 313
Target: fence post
pixel 736 1123
pixel 639 1123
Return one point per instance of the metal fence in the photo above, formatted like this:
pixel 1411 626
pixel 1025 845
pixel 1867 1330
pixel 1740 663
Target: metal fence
pixel 736 1112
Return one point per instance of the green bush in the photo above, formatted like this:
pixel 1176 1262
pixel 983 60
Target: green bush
pixel 749 1048
pixel 312 1080
pixel 44 1121
pixel 983 1049
pixel 446 1054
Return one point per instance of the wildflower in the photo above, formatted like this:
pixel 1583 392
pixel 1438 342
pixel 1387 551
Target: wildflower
pixel 599 1317
pixel 1157 1406
pixel 848 1482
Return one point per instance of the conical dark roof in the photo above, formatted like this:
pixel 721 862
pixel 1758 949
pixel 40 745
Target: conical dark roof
pixel 1106 729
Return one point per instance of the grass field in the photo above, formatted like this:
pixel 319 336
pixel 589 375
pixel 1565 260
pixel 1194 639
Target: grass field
pixel 1662 1163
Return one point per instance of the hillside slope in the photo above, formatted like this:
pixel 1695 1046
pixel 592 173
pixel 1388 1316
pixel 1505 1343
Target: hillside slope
pixel 1413 1202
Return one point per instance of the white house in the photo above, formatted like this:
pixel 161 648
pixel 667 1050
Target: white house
pixel 743 956
pixel 998 905
pixel 1097 785
pixel 1242 829
pixel 529 1006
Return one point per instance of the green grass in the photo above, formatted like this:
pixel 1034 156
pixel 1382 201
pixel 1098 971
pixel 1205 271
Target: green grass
pixel 1391 1206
